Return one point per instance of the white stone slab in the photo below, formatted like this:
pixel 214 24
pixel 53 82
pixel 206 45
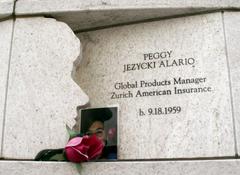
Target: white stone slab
pixel 5 44
pixel 232 21
pixel 42 96
pixel 94 13
pixel 72 5
pixel 6 8
pixel 204 127
pixel 206 167
pixel 37 168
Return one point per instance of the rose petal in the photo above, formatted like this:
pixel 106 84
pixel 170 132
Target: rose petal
pixel 74 142
pixel 74 156
pixel 96 147
pixel 84 148
pixel 76 150
pixel 79 152
pixel 96 152
pixel 93 140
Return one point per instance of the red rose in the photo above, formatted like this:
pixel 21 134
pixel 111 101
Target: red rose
pixel 80 149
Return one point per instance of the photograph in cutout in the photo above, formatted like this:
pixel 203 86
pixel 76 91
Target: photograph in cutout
pixel 103 123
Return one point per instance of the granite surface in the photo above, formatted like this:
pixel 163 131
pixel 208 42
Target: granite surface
pixel 81 15
pixel 206 167
pixel 170 79
pixel 231 20
pixel 42 96
pixel 5 45
pixel 6 8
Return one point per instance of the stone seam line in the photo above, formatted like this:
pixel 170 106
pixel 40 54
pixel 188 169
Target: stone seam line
pixel 7 80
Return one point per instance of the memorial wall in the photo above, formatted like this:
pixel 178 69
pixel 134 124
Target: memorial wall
pixel 169 72
pixel 170 79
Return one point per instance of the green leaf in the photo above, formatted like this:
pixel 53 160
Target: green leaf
pixel 57 157
pixel 79 167
pixel 71 132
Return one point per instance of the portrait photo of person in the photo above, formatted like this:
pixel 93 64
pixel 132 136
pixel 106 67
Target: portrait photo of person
pixel 103 123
